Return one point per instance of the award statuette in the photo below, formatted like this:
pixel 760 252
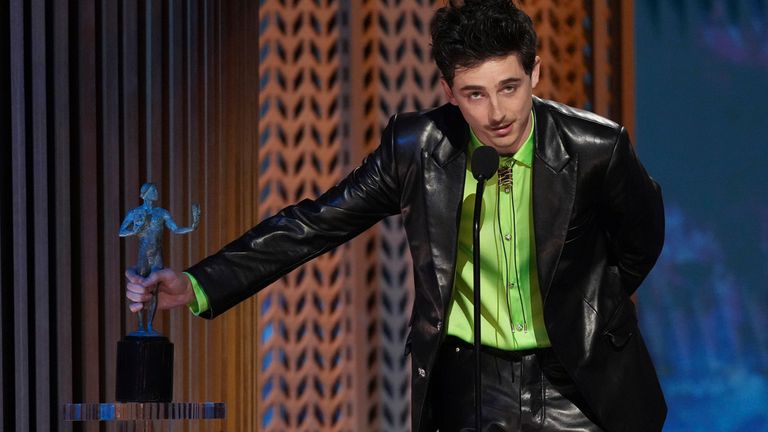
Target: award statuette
pixel 145 357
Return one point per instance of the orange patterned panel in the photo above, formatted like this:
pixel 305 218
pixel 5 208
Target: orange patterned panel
pixel 304 333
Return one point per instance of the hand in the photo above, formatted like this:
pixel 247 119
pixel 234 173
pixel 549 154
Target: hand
pixel 173 289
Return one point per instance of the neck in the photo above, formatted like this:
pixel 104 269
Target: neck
pixel 522 138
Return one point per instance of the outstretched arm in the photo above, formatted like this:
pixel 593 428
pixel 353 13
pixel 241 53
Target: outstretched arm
pixel 307 229
pixel 169 222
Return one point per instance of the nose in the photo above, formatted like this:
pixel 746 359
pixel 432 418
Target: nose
pixel 495 113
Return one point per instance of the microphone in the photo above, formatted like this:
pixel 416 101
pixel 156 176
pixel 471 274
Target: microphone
pixel 485 163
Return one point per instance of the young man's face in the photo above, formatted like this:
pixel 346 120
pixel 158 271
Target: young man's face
pixel 495 99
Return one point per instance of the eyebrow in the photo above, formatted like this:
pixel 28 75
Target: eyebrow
pixel 501 83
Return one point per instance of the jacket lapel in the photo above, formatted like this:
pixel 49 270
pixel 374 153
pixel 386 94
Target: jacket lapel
pixel 444 172
pixel 554 190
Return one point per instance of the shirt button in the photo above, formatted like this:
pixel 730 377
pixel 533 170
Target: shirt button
pixel 508 237
pixel 458 349
pixel 506 190
pixel 439 325
pixel 422 372
pixel 519 327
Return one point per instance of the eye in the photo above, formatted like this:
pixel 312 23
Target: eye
pixel 508 89
pixel 475 95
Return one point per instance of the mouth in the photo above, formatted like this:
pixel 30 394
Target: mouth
pixel 501 130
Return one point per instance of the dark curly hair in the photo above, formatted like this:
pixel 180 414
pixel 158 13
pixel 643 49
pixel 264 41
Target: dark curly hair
pixel 469 32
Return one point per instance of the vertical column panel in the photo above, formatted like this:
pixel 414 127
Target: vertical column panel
pixel 601 66
pixel 211 334
pixel 62 213
pixel 214 191
pixel 612 66
pixel 229 192
pixel 152 87
pixel 6 257
pixel 131 142
pixel 109 168
pixel 195 362
pixel 238 74
pixel 176 201
pixel 41 225
pixel 625 64
pixel 19 214
pixel 87 282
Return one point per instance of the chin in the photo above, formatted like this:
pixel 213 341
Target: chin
pixel 504 147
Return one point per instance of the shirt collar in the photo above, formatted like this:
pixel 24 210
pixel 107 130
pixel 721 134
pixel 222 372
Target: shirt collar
pixel 524 156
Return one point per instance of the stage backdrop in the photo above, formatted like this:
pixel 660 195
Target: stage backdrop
pixel 331 335
pixel 701 114
pixel 243 106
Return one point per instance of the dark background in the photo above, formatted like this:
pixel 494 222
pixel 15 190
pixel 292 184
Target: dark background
pixel 701 111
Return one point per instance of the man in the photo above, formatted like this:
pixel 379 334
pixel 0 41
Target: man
pixel 572 225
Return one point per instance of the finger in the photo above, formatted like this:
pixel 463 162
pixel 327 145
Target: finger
pixel 139 295
pixel 136 288
pixel 132 276
pixel 138 298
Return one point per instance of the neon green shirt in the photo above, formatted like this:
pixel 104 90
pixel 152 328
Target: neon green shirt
pixel 200 303
pixel 512 318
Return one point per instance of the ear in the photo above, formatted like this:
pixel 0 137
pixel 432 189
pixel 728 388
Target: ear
pixel 448 92
pixel 535 72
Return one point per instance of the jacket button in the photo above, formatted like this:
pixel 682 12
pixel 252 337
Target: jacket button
pixel 422 372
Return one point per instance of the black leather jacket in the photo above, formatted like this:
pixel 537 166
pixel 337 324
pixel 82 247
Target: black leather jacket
pixel 599 227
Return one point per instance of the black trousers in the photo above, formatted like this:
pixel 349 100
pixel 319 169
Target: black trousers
pixel 521 391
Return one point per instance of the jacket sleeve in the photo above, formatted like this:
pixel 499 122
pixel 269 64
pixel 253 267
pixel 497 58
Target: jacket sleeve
pixel 300 232
pixel 633 214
